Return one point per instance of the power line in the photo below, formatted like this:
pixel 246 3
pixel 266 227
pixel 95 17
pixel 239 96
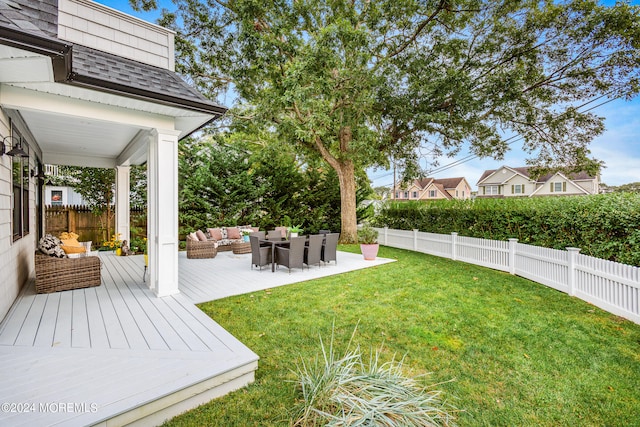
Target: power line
pixel 515 138
pixel 520 138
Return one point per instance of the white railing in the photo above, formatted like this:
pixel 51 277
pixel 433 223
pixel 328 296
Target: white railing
pixel 612 286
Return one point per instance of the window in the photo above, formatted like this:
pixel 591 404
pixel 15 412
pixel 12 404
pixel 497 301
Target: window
pixel 20 184
pixel 406 195
pixel 397 194
pixel 558 187
pixel 432 193
pixel 517 189
pixel 56 197
pixel 414 194
pixel 492 190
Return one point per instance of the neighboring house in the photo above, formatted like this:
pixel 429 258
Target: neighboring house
pixel 517 182
pixel 55 195
pixel 434 189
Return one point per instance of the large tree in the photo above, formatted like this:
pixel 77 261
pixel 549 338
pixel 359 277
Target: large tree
pixel 358 82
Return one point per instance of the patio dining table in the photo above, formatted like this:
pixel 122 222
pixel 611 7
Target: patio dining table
pixel 273 244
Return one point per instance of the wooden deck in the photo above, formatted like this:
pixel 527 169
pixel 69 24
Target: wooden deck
pixel 113 353
pixel 116 354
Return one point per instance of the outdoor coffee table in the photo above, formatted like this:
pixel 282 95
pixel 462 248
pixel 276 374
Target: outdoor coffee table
pixel 241 247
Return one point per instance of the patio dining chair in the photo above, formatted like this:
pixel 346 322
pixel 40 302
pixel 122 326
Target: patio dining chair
pixel 313 250
pixel 330 248
pixel 293 256
pixel 274 235
pixel 259 234
pixel 260 255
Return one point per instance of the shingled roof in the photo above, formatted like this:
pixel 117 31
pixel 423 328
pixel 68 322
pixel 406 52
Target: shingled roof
pixel 32 25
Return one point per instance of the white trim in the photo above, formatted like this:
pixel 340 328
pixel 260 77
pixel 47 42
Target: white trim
pixel 123 226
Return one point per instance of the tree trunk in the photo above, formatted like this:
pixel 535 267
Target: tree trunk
pixel 349 221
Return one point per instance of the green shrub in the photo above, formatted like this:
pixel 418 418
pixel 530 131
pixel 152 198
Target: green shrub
pixel 605 226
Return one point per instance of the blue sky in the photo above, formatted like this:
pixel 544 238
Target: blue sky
pixel 618 146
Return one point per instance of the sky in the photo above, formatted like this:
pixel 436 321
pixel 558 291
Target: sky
pixel 618 147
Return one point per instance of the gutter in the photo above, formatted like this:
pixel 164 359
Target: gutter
pixel 87 82
pixel 58 51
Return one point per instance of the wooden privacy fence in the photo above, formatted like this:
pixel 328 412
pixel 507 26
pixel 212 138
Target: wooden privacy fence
pixel 88 226
pixel 612 286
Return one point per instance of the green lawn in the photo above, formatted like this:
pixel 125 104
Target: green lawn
pixel 508 352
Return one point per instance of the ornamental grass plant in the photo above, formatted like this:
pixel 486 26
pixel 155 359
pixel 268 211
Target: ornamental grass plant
pixel 346 390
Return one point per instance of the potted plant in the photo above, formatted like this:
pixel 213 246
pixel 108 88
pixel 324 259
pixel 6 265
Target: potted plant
pixel 115 244
pixel 295 230
pixel 368 239
pixel 245 234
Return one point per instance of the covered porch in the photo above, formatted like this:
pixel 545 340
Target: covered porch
pixel 117 354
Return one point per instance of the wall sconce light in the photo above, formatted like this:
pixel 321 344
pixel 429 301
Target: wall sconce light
pixel 16 150
pixel 40 175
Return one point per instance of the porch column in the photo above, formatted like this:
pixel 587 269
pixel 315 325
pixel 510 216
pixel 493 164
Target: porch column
pixel 162 220
pixel 123 203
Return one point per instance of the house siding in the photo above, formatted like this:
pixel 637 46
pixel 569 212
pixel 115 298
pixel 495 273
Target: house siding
pixel 16 258
pixel 507 178
pixel 508 187
pixel 94 25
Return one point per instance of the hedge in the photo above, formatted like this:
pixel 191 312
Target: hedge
pixel 605 226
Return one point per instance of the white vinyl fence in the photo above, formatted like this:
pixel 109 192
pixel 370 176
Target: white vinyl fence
pixel 612 286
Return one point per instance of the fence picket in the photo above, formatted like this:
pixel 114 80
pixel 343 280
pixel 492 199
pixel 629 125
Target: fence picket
pixel 612 286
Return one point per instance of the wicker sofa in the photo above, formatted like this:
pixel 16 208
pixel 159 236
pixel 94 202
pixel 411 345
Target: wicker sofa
pixel 225 237
pixel 197 249
pixel 62 274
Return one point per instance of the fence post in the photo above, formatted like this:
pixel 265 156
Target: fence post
pixel 573 252
pixel 454 241
pixel 415 240
pixel 385 235
pixel 512 256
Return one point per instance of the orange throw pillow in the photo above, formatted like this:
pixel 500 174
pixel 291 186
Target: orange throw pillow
pixel 72 246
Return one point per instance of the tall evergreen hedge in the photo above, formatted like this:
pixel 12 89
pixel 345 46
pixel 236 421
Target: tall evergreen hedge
pixel 605 226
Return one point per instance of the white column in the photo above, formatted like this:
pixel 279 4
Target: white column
pixel 162 221
pixel 123 226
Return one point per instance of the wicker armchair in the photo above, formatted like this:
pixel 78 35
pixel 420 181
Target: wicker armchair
pixel 62 274
pixel 197 249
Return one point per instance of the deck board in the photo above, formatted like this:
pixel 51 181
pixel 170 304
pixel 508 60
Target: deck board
pixel 44 335
pixel 121 348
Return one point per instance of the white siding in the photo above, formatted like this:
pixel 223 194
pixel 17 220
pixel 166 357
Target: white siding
pixel 100 27
pixel 16 258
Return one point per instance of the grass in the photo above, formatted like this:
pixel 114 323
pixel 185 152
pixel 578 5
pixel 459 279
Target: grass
pixel 519 353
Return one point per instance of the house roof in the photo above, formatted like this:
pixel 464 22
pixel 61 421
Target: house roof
pixel 520 170
pixel 32 25
pixel 441 183
pixel 449 182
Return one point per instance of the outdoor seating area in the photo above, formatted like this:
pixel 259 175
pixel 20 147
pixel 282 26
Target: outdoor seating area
pixel 276 247
pixel 293 252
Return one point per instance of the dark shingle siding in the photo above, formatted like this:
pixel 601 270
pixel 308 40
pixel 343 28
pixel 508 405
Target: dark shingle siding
pixel 42 14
